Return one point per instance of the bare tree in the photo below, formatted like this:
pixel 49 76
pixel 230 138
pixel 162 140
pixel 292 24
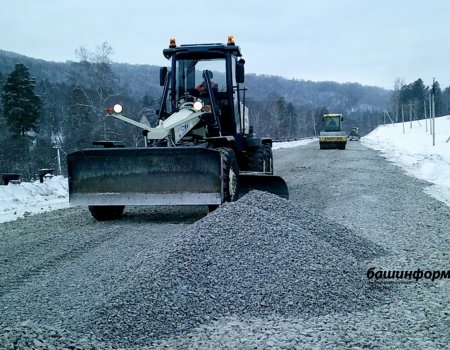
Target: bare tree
pixel 394 105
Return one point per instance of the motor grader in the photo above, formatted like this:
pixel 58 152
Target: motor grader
pixel 202 152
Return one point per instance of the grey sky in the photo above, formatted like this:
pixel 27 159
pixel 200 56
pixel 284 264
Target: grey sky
pixel 367 41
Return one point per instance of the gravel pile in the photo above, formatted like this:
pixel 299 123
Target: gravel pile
pixel 259 256
pixel 27 335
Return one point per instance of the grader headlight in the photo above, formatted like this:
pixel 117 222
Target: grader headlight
pixel 198 106
pixel 116 109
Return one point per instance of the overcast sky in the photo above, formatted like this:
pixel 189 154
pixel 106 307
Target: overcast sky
pixel 371 42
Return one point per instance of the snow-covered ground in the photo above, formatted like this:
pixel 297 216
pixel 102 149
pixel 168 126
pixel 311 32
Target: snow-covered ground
pixel 289 144
pixel 27 198
pixel 413 150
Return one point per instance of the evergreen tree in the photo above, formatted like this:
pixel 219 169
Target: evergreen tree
pixel 418 90
pixel 414 95
pixel 406 94
pixel 436 90
pixel 21 106
pixel 420 94
pixel 446 101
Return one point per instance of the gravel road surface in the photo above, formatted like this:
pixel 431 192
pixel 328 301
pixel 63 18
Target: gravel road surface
pixel 259 273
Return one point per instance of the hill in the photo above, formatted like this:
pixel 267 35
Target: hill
pixel 141 80
pixel 75 94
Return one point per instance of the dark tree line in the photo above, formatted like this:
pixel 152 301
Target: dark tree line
pixel 279 119
pixel 413 100
pixel 38 117
pixel 286 109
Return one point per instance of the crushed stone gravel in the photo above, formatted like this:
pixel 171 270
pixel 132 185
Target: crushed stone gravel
pixel 249 257
pixel 260 273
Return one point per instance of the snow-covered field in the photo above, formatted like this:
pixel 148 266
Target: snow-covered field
pixel 414 152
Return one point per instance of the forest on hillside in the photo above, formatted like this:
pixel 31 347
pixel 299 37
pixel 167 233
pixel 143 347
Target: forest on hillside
pixel 68 113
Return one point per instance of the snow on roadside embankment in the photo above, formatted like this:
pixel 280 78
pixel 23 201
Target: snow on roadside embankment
pixel 290 144
pixel 27 198
pixel 413 150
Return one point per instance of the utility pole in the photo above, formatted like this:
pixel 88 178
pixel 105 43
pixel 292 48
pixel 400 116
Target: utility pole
pixel 59 160
pixel 410 114
pixel 425 113
pixel 431 112
pixel 403 120
pixel 434 112
pixel 314 123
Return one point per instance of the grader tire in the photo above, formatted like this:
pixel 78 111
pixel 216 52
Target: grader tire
pixel 261 160
pixel 230 174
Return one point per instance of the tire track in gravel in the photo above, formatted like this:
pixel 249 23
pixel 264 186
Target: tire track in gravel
pixel 34 246
pixel 29 247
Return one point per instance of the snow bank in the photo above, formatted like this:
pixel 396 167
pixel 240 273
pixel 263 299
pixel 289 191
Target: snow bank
pixel 27 198
pixel 290 144
pixel 414 152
